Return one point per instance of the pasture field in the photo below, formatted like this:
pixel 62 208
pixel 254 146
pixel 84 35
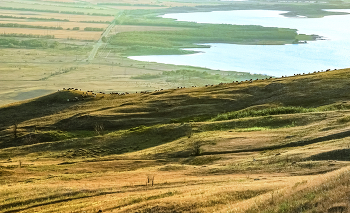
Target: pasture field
pixel 286 152
pixel 53 8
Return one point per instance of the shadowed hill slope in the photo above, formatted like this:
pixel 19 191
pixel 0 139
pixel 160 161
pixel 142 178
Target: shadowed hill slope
pixel 122 112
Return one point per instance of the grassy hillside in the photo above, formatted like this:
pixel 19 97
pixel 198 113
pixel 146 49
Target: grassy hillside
pixel 271 145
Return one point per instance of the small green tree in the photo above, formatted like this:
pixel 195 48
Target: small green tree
pixel 54 44
pixel 196 149
pixel 104 39
pixel 99 128
pixel 15 130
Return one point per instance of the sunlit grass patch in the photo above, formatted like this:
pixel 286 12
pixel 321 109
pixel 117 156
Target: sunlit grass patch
pixel 316 195
pixel 203 160
pixel 262 112
pixel 252 129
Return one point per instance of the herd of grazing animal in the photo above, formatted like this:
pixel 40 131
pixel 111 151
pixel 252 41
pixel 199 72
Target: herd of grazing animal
pixel 88 94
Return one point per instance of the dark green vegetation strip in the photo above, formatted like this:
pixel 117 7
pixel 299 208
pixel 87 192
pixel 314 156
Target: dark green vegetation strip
pixel 34 18
pixel 41 42
pixel 274 111
pixel 263 112
pixel 93 29
pixel 310 10
pixel 15 25
pixel 31 43
pixel 190 34
pixel 26 35
pixel 171 42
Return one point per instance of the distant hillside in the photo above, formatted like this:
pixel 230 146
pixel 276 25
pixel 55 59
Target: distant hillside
pixel 116 112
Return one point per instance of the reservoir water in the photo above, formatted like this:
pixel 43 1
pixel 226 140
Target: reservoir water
pixel 277 60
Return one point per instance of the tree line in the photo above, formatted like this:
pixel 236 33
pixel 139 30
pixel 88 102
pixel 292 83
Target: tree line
pixel 93 29
pixel 35 18
pixel 30 43
pixel 15 25
pixel 26 35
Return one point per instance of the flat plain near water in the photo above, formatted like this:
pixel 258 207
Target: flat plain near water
pixel 274 60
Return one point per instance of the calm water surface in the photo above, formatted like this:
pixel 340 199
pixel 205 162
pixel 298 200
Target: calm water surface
pixel 274 60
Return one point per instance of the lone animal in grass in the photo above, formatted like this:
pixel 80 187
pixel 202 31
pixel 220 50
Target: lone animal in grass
pixel 150 179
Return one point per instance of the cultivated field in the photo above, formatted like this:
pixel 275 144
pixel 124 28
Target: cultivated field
pixel 70 17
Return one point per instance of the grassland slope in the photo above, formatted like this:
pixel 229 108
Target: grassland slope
pixel 268 145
